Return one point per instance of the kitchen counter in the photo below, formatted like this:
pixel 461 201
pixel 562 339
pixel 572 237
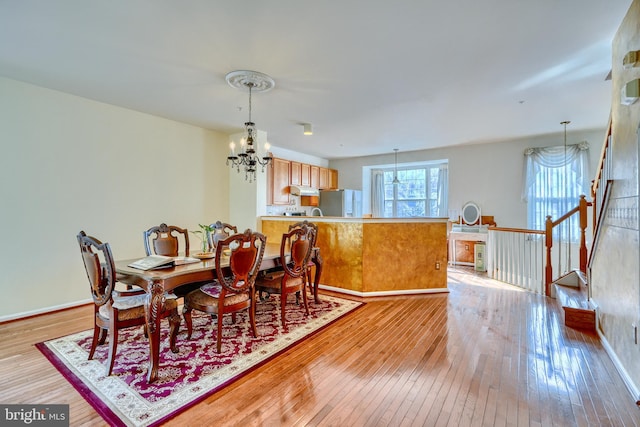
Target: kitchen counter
pixel 353 220
pixel 376 256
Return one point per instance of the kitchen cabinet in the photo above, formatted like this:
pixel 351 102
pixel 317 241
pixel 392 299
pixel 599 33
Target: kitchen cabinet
pixel 323 183
pixel 296 173
pixel 315 177
pixel 284 173
pixel 333 179
pixel 278 182
pixel 305 174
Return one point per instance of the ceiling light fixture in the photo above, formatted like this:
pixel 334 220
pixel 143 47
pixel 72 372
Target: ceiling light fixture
pixel 395 174
pixel 308 130
pixel 248 156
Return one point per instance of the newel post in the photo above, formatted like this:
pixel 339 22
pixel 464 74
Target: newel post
pixel 548 276
pixel 583 230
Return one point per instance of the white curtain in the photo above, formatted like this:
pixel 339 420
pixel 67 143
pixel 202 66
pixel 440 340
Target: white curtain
pixel 554 180
pixel 377 193
pixel 443 191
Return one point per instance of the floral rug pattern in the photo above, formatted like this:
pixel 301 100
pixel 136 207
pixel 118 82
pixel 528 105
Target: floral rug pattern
pixel 125 398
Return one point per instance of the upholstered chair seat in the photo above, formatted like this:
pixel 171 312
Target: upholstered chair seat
pixel 132 307
pixel 209 294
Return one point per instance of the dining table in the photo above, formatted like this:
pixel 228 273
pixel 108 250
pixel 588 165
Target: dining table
pixel 157 283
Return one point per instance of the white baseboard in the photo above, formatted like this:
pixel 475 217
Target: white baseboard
pixel 383 293
pixel 45 310
pixel 631 386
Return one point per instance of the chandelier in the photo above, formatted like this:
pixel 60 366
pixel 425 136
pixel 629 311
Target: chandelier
pixel 247 156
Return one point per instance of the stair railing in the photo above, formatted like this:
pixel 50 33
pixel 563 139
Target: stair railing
pixel 603 176
pixel 565 241
pixel 601 190
pixel 516 256
pixel 524 258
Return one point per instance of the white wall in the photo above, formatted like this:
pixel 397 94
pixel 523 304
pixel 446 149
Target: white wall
pixel 488 174
pixel 71 164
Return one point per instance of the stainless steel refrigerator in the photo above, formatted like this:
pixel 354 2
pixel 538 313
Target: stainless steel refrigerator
pixel 344 202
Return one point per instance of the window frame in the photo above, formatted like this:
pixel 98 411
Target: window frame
pixel 427 167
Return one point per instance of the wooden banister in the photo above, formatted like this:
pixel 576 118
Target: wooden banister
pixel 598 221
pixel 601 164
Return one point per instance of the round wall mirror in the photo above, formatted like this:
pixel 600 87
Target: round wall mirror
pixel 470 213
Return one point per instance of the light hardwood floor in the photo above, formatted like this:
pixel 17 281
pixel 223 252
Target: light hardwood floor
pixel 483 354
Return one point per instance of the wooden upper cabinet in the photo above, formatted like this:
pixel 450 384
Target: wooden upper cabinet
pixel 333 179
pixel 324 179
pixel 296 173
pixel 315 177
pixel 305 174
pixel 278 182
pixel 283 173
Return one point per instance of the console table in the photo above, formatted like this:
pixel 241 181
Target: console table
pixel 465 236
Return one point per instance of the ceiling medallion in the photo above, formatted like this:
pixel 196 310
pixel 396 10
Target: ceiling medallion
pixel 245 80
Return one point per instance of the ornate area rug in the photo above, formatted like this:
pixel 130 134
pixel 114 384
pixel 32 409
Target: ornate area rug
pixel 197 371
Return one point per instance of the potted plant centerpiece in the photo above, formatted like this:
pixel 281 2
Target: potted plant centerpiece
pixel 203 234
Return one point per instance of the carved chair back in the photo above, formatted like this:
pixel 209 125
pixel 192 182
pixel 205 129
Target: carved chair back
pixel 164 240
pixel 245 256
pixel 100 268
pixel 220 231
pixel 296 245
pixel 311 225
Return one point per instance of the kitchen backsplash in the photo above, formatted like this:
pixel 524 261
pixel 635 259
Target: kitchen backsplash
pixel 294 207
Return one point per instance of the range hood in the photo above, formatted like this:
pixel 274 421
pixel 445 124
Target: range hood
pixel 300 190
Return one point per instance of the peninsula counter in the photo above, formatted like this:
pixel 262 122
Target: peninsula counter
pixel 376 256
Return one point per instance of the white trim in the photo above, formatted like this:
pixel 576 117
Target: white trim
pixel 45 310
pixel 384 293
pixel 633 389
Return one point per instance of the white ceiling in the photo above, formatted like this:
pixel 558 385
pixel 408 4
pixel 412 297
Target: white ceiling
pixel 370 75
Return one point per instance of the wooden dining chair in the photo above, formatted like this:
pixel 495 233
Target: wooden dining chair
pixel 165 240
pixel 114 309
pixel 220 231
pixel 233 290
pixel 315 260
pixel 295 249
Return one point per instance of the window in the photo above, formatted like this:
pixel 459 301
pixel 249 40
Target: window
pixel 555 179
pixel 422 191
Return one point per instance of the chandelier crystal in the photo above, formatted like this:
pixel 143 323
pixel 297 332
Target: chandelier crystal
pixel 248 157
